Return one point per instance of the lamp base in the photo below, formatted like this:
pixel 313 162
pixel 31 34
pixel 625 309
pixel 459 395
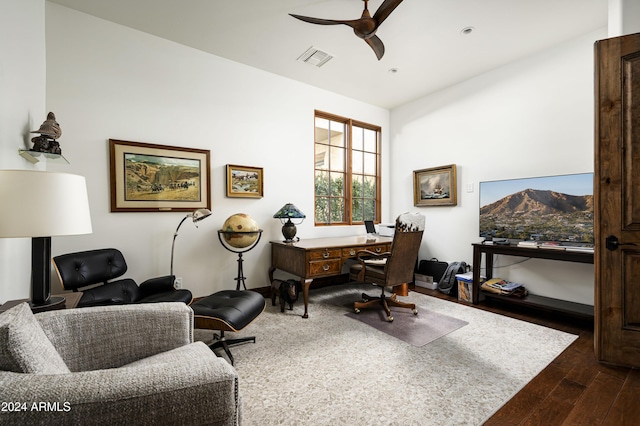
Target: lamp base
pixel 289 231
pixel 52 304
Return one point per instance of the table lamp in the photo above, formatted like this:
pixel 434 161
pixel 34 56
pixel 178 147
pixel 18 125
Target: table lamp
pixel 285 214
pixel 40 205
pixel 196 216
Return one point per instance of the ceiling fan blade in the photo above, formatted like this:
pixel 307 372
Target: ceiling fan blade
pixel 376 45
pixel 385 10
pixel 365 27
pixel 320 21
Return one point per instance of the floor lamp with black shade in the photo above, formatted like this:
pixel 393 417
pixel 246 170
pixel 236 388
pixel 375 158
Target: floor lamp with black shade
pixel 40 205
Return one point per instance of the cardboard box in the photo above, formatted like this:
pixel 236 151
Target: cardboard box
pixel 465 286
pixel 425 281
pixel 465 291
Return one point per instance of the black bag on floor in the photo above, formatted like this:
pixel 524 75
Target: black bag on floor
pixel 432 268
pixel 448 284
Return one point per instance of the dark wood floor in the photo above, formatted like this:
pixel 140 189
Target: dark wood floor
pixel 574 389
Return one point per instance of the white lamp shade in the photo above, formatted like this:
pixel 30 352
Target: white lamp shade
pixel 43 204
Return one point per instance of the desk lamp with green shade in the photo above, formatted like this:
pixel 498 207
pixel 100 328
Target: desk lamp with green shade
pixel 285 214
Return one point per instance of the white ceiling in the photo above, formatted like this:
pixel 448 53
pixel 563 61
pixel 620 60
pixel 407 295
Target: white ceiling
pixel 423 38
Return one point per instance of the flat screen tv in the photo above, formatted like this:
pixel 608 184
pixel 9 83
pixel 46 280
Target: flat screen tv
pixel 557 209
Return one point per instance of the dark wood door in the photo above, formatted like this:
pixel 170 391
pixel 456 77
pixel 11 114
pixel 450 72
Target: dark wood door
pixel 617 200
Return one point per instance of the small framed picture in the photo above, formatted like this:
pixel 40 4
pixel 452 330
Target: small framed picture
pixel 244 181
pixel 154 178
pixel 435 186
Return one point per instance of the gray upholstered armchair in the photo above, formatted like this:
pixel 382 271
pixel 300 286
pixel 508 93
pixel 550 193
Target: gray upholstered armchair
pixel 111 365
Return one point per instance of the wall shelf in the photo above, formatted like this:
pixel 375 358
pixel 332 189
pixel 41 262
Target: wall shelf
pixel 36 156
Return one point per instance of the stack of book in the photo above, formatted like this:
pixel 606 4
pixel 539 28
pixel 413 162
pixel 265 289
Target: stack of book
pixel 552 245
pixel 532 244
pixel 507 288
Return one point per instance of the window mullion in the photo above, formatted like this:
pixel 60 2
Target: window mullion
pixel 348 214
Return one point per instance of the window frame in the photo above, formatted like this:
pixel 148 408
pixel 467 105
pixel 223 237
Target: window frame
pixel 349 124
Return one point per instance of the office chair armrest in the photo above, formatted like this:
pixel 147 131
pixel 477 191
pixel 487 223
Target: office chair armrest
pixel 363 256
pixel 366 257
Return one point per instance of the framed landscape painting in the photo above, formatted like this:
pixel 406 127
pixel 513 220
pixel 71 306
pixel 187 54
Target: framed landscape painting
pixel 435 186
pixel 244 181
pixel 154 178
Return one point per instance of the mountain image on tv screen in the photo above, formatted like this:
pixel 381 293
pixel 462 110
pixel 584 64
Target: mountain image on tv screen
pixel 546 209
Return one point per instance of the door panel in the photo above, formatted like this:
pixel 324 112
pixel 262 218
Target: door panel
pixel 617 200
pixel 631 134
pixel 631 291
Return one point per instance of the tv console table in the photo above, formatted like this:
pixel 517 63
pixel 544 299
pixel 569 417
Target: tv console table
pixel 572 308
pixel 320 257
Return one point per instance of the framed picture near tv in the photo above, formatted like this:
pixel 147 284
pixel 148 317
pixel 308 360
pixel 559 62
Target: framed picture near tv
pixel 154 178
pixel 435 186
pixel 556 209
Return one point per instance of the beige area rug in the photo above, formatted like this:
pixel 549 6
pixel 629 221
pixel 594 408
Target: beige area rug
pixel 331 370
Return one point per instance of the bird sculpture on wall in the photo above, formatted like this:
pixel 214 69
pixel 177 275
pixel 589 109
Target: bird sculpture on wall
pixel 365 27
pixel 49 131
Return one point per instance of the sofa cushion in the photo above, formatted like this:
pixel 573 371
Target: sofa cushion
pixel 195 350
pixel 24 348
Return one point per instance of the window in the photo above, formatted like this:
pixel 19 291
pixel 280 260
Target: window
pixel 347 170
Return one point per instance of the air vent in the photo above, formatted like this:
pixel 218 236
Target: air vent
pixel 315 56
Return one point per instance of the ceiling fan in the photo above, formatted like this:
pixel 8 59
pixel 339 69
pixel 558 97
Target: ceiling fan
pixel 365 27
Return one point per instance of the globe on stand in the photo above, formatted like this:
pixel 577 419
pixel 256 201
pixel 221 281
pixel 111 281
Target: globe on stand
pixel 240 230
pixel 239 234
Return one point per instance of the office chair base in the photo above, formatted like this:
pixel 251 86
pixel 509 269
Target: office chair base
pixel 222 342
pixel 369 301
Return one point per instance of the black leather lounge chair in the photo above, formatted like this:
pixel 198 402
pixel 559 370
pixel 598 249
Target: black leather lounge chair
pixel 103 266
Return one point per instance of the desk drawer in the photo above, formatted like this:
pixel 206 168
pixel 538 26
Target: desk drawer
pixel 319 268
pixel 380 248
pixel 351 251
pixel 324 254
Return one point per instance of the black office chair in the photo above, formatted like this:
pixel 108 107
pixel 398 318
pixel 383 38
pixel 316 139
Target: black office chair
pixel 392 269
pixel 88 268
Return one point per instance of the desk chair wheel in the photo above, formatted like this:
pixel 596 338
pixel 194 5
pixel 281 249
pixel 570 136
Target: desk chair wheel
pixel 415 312
pixel 390 318
pixel 357 310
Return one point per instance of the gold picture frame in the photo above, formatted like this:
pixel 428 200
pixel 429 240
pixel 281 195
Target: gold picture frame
pixel 244 181
pixel 435 186
pixel 157 178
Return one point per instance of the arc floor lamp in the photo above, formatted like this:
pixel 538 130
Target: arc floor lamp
pixel 196 216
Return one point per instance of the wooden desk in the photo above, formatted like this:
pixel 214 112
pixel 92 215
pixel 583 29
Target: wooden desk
pixel 320 257
pixel 71 301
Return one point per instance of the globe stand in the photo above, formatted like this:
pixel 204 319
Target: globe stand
pixel 239 251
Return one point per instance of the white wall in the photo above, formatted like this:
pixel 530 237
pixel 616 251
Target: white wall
pixel 22 109
pixel 530 118
pixel 108 81
pixel 623 17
